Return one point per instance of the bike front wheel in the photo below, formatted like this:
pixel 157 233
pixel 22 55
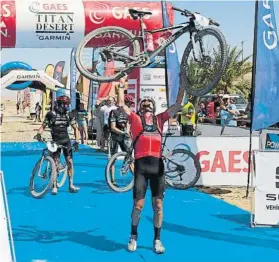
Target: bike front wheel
pixel 119 174
pixel 42 177
pixel 203 65
pixel 110 61
pixel 182 169
pixel 62 171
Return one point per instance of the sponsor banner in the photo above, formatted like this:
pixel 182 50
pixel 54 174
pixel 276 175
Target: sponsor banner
pixel 266 182
pixel 175 130
pixel 50 23
pixel 39 76
pixel 152 76
pixel 109 13
pixel 224 160
pixel 8 24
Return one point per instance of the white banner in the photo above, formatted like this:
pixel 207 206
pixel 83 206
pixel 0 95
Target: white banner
pixel 266 182
pixel 224 160
pixel 49 23
pixel 5 248
pixel 152 76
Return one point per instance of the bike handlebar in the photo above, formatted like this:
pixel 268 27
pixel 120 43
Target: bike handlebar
pixel 189 13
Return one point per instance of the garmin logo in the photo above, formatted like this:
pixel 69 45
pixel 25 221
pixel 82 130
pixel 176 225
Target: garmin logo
pixel 29 76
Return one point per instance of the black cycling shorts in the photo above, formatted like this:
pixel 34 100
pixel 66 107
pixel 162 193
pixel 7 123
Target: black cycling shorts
pixel 67 151
pixel 149 169
pixel 122 141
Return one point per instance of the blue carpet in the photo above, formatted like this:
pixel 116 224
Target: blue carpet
pixel 94 225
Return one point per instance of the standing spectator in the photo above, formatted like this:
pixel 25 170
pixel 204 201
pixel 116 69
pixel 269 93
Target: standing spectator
pixel 23 106
pixel 202 112
pixel 228 112
pixel 211 110
pixel 82 119
pixel 2 108
pixel 38 110
pixel 97 121
pixel 17 106
pixel 110 105
pixel 188 119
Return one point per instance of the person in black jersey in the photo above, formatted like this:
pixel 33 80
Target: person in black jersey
pixel 58 121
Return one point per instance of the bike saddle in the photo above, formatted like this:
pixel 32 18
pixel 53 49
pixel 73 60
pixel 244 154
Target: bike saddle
pixel 135 14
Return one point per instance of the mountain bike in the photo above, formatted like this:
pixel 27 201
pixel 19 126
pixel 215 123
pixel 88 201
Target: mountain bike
pixel 182 169
pixel 201 67
pixel 46 171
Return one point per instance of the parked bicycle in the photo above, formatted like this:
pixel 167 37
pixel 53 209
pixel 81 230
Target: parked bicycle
pixel 45 170
pixel 201 66
pixel 182 169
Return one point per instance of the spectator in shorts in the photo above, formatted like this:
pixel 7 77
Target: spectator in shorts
pixel 82 118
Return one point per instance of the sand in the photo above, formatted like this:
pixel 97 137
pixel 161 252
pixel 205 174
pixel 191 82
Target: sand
pixel 18 128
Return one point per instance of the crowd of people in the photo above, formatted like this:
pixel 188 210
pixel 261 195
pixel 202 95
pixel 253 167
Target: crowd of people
pixel 222 110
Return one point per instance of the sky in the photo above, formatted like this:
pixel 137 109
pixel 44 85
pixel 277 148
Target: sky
pixel 235 17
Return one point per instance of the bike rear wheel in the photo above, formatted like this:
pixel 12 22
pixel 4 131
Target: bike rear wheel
pixel 106 67
pixel 190 166
pixel 200 77
pixel 126 181
pixel 48 174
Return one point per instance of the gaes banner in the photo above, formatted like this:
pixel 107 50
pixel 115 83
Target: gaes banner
pixel 266 87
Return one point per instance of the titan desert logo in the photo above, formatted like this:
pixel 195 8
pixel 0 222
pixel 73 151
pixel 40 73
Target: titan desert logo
pixel 53 21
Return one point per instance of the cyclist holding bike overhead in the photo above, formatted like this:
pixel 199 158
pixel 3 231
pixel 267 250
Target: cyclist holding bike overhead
pixel 146 129
pixel 58 121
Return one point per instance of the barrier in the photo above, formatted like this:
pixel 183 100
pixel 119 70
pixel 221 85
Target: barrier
pixel 224 160
pixel 265 181
pixel 7 252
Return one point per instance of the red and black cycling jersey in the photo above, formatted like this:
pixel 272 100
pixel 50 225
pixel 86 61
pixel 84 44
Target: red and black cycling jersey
pixel 148 143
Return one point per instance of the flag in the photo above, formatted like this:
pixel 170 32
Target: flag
pixel 266 67
pixel 72 80
pixel 58 75
pixel 172 63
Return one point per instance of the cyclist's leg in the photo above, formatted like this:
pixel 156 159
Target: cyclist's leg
pixel 139 191
pixel 68 153
pixel 157 186
pixel 85 133
pixel 56 158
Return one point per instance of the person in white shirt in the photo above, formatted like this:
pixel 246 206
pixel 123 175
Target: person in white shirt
pixel 106 109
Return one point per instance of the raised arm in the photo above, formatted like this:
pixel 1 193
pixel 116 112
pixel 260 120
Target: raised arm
pixel 121 95
pixel 177 106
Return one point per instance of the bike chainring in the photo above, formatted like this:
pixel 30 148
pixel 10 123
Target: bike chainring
pixel 143 60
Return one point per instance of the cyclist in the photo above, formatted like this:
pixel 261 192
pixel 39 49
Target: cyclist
pixel 146 130
pixel 58 121
pixel 120 129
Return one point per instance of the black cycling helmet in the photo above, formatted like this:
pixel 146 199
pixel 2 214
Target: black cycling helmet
pixel 62 104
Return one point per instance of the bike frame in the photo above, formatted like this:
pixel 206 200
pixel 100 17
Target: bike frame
pixel 183 28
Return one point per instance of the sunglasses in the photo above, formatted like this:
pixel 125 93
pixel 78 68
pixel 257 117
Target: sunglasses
pixel 146 100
